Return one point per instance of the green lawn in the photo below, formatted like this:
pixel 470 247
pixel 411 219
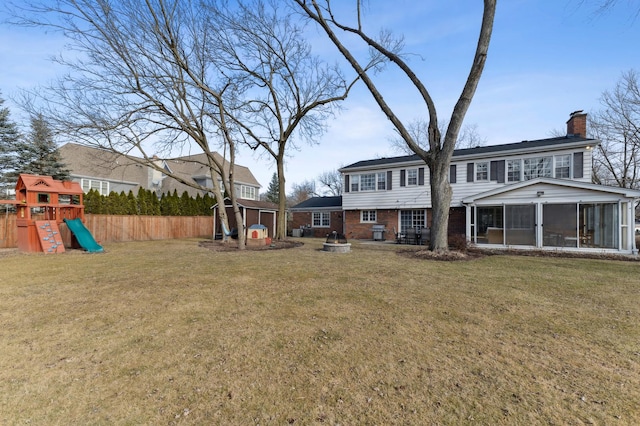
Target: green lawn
pixel 168 332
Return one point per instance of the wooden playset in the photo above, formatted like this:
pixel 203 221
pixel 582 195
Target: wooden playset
pixel 42 203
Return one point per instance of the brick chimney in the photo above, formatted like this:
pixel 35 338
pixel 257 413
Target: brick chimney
pixel 577 124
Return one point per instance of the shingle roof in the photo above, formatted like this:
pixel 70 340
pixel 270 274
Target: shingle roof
pixel 319 203
pixel 84 161
pixel 481 150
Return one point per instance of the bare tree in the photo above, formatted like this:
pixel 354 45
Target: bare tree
pixel 166 76
pixel 617 126
pixel 439 152
pixel 469 136
pixel 605 6
pixel 302 191
pixel 331 182
pixel 293 93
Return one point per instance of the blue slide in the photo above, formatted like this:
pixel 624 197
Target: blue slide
pixel 84 237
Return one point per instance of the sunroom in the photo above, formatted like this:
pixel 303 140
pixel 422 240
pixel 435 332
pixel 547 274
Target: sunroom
pixel 554 214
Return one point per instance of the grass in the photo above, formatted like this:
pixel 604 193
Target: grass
pixel 171 333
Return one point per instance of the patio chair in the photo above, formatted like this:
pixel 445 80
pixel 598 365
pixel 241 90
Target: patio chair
pixel 425 235
pixel 411 236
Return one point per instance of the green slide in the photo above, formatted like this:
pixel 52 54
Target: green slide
pixel 84 237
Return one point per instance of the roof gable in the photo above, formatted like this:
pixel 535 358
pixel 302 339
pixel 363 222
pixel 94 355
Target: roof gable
pixel 558 183
pixel 39 183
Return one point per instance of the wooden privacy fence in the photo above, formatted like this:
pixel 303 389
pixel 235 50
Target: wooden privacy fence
pixel 111 228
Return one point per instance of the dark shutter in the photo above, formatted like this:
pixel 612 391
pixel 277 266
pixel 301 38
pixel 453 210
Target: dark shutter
pixel 469 172
pixel 493 170
pixel 500 171
pixel 403 174
pixel 452 173
pixel 421 176
pixel 578 167
pixel 346 183
pixel 389 176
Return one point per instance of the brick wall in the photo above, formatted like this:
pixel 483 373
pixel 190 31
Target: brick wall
pixel 302 219
pixel 362 231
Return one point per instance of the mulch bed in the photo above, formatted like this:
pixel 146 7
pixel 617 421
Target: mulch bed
pixel 474 253
pixel 232 245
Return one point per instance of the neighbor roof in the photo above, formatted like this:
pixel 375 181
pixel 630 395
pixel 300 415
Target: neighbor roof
pixel 319 203
pixel 84 161
pixel 561 142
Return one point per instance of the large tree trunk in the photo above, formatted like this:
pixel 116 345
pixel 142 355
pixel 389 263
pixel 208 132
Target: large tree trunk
pixel 281 229
pixel 438 156
pixel 217 191
pixel 440 203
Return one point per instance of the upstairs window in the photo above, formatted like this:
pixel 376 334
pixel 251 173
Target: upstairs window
pixel 563 166
pixel 368 182
pixel 99 185
pixel 537 167
pixel 412 177
pixel 380 181
pixel 482 171
pixel 248 192
pixel 514 170
pixel 355 183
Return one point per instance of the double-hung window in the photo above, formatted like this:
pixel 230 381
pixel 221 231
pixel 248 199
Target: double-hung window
pixel 563 166
pixel 382 181
pixel 355 183
pixel 482 171
pixel 321 219
pixel 513 170
pixel 412 177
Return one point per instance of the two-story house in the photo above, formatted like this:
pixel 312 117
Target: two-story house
pixel 529 194
pixel 106 171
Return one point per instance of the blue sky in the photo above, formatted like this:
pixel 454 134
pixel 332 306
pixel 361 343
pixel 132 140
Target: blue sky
pixel 547 58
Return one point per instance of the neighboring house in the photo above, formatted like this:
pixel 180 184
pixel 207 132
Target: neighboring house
pixel 106 171
pixel 318 216
pixel 530 194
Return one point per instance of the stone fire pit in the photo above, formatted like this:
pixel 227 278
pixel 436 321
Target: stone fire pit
pixel 336 243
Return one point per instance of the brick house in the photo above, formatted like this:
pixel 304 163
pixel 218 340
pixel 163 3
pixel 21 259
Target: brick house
pixel 317 217
pixel 529 194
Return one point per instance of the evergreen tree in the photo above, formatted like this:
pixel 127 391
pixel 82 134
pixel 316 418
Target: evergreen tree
pixel 154 203
pixel 131 206
pixel 38 153
pixel 93 202
pixel 208 201
pixel 171 204
pixel 273 191
pixel 9 137
pixel 142 202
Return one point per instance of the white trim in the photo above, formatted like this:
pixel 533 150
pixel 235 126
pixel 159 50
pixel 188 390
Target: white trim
pixel 628 193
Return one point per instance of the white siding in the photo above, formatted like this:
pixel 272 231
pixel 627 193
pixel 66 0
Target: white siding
pixel 418 196
pixel 550 194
